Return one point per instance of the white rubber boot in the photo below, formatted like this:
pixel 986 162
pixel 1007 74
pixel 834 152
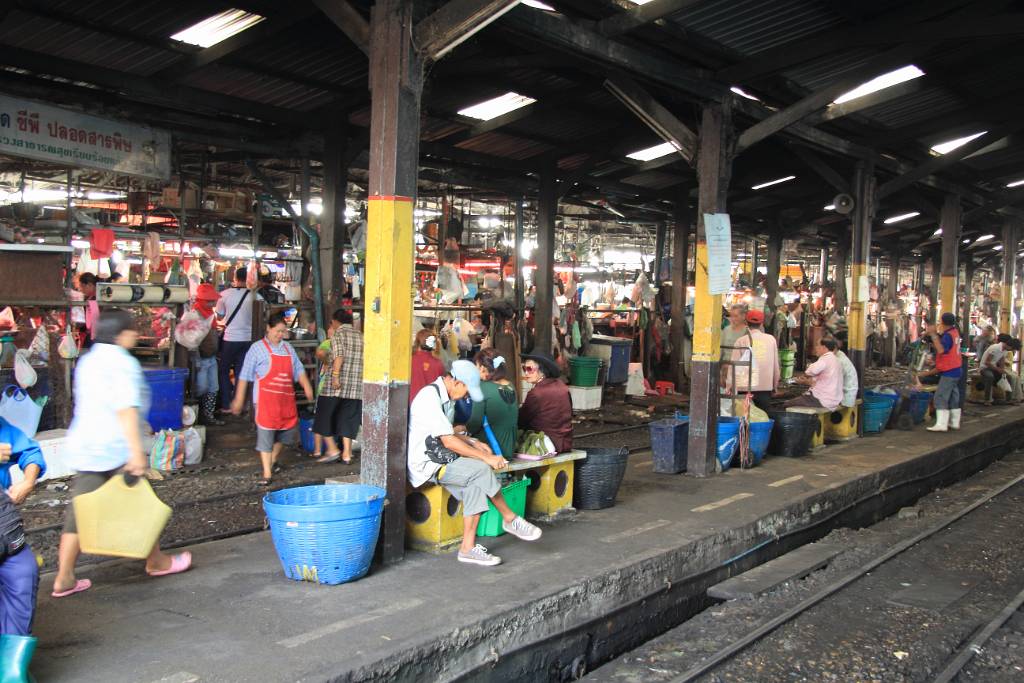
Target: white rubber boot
pixel 954 418
pixel 941 421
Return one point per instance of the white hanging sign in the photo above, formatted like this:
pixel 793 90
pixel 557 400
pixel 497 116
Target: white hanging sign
pixel 718 236
pixel 40 131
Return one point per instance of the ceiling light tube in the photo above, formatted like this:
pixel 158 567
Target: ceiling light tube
pixel 773 182
pixel 901 217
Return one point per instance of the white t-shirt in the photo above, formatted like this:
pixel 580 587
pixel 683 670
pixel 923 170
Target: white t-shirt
pixel 427 417
pixel 993 354
pixel 849 380
pixel 107 379
pixel 240 329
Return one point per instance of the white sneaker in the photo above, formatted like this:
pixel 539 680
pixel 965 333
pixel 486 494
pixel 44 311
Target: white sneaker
pixel 479 555
pixel 522 529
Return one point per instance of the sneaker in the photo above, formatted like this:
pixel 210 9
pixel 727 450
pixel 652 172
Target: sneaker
pixel 479 555
pixel 522 529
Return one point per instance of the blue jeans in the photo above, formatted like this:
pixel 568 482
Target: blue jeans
pixel 19 582
pixel 232 355
pixel 205 379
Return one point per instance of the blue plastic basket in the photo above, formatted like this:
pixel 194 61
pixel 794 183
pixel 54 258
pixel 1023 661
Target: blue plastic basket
pixel 167 396
pixel 325 533
pixel 919 402
pixel 876 416
pixel 728 440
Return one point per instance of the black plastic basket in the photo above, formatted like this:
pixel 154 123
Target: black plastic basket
pixel 598 477
pixel 793 433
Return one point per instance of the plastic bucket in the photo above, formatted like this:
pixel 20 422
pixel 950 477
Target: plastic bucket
pixel 306 433
pixel 598 477
pixel 325 533
pixel 668 442
pixel 728 440
pixel 787 359
pixel 919 402
pixel 515 496
pixel 792 434
pixel 760 435
pixel 583 371
pixel 167 397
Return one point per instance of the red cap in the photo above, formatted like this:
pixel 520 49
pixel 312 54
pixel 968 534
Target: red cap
pixel 755 317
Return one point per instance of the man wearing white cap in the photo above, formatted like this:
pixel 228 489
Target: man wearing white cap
pixel 463 465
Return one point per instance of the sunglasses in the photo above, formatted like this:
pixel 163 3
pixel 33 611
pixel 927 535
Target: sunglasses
pixel 530 368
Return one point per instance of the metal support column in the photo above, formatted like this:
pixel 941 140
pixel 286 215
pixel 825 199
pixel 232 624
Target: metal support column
pixel 544 276
pixel 863 214
pixel 1010 237
pixel 714 165
pixel 680 281
pixel 892 296
pixel 949 221
pixel 823 266
pixel 842 255
pixel 396 81
pixel 774 268
pixel 518 260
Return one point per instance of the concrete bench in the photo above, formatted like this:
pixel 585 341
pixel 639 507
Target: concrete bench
pixel 434 517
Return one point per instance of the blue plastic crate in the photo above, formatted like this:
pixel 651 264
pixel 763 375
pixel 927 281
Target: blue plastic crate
pixel 167 396
pixel 325 533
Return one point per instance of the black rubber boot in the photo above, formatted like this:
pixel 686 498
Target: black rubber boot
pixel 207 408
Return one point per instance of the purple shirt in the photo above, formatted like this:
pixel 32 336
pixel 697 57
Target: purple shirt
pixel 828 380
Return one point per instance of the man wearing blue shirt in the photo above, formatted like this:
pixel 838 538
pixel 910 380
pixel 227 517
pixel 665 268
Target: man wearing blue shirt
pixel 18 449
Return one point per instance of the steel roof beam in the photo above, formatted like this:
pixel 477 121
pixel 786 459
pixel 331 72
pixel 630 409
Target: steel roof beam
pixel 831 176
pixel 347 18
pixel 654 115
pixel 641 16
pixel 1000 201
pixel 454 23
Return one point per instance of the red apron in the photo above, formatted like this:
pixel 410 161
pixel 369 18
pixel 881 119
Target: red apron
pixel 276 406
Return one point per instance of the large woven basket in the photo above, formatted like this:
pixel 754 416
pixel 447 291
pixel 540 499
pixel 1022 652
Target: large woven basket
pixel 598 477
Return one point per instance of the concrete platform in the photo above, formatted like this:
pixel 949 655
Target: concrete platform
pixel 594 586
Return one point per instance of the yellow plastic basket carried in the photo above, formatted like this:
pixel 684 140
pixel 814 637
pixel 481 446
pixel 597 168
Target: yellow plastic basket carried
pixel 120 520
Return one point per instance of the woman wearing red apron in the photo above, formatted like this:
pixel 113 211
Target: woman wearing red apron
pixel 273 367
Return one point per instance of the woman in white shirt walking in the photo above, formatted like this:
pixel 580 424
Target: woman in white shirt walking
pixel 105 438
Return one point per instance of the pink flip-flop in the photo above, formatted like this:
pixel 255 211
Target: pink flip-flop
pixel 179 563
pixel 80 585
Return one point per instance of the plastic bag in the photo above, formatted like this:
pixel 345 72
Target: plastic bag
pixel 191 330
pixel 168 452
pixel 7 319
pixel 193 445
pixel 23 370
pixel 1004 384
pixel 67 349
pixel 252 275
pixel 20 410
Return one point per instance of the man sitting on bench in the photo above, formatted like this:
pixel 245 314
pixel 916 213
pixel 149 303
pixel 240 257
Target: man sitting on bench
pixel 462 465
pixel 825 376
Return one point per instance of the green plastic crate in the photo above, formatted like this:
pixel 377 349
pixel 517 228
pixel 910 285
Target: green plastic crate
pixel 515 496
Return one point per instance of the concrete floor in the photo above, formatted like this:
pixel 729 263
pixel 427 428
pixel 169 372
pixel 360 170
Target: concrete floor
pixel 235 617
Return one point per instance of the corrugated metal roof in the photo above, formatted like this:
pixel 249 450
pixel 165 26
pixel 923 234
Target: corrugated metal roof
pixel 502 145
pixel 750 26
pixel 258 87
pixel 915 108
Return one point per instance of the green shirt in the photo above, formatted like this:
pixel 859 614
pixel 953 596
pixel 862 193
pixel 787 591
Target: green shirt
pixel 502 411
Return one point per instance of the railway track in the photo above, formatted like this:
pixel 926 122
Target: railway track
pixel 952 668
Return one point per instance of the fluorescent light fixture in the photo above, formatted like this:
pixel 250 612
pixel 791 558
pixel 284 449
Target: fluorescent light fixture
pixel 984 238
pixel 830 207
pixel 218 28
pixel 773 182
pixel 949 146
pixel 655 152
pixel 536 4
pixel 901 217
pixel 104 195
pixel 236 252
pixel 80 244
pixel 937 232
pixel 998 247
pixel 1015 183
pixel 742 93
pixel 497 106
pixel 901 75
pixel 315 208
pixel 640 2
pixel 966 241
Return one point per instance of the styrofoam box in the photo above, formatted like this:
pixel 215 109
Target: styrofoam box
pixel 585 398
pixel 51 442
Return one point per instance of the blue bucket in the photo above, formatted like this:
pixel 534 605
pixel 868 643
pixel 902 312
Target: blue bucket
pixel 919 402
pixel 167 396
pixel 876 416
pixel 728 440
pixel 306 434
pixel 760 435
pixel 325 533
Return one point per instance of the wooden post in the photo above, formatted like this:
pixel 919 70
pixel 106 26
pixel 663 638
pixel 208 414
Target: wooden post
pixel 935 283
pixel 714 166
pixel 893 299
pixel 659 252
pixel 949 221
pixel 396 81
pixel 680 281
pixel 774 266
pixel 1010 237
pixel 863 215
pixel 544 276
pixel 842 252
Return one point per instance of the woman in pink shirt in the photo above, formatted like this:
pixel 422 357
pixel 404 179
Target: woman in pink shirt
pixel 825 377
